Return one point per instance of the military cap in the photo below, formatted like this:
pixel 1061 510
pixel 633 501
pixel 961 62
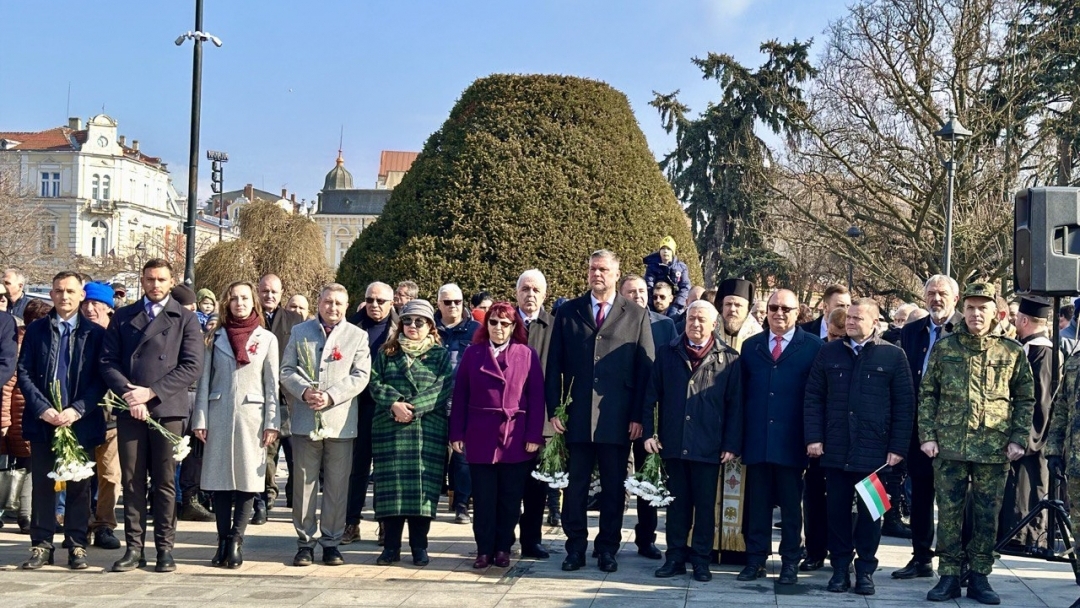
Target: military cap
pixel 979 290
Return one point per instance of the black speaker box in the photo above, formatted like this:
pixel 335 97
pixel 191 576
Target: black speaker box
pixel 1046 249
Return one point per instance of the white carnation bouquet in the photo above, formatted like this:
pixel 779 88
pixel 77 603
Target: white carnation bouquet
pixel 181 444
pixel 72 463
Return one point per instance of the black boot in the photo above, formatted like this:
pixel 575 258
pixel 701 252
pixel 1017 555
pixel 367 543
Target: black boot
pixel 979 590
pixel 841 577
pixel 193 510
pixel 222 552
pixel 894 526
pixel 131 560
pixel 864 581
pixel 948 588
pixel 235 550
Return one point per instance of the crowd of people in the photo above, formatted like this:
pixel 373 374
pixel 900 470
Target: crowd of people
pixel 750 404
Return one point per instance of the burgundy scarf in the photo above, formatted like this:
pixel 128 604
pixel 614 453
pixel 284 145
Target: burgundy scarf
pixel 238 331
pixel 697 355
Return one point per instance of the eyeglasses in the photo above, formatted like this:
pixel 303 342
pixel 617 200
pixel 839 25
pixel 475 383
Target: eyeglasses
pixel 500 323
pixel 784 309
pixel 451 302
pixel 413 321
pixel 376 301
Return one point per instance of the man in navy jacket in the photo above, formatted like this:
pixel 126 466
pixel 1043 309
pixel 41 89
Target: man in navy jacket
pixel 775 366
pixel 63 347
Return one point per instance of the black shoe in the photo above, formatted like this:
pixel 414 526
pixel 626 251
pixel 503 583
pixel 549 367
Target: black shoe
pixel 420 557
pixel 235 552
pixel 751 572
pixel 305 556
pixel 894 526
pixel 789 574
pixel 840 581
pixel 387 557
pixel 864 583
pixel 131 560
pixel 979 590
pixel 39 556
pixel 165 562
pixel 574 561
pixel 948 588
pixel 222 554
pixel 554 519
pixel 77 558
pixel 105 539
pixel 702 574
pixel 915 569
pixel 259 517
pixel 536 551
pixel 193 510
pixel 649 551
pixel 332 557
pixel 809 565
pixel 671 568
pixel 606 562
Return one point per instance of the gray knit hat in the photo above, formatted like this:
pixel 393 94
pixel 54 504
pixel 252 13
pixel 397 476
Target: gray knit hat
pixel 419 308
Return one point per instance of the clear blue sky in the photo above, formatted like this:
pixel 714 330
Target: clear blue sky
pixel 292 73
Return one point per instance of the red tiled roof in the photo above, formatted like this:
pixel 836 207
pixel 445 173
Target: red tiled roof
pixel 58 138
pixel 395 161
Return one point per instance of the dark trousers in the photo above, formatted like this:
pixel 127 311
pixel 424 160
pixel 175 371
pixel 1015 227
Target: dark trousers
pixel 645 530
pixel 768 485
pixel 145 451
pixel 693 484
pixel 394 527
pixel 191 469
pixel 843 543
pixel 497 493
pixel 361 464
pixel 611 461
pixel 815 511
pixel 43 501
pixel 537 495
pixel 233 510
pixel 921 473
pixel 460 481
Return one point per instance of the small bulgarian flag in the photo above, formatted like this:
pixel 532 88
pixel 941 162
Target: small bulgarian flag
pixel 872 493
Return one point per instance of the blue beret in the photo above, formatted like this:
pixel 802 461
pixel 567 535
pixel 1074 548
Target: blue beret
pixel 99 292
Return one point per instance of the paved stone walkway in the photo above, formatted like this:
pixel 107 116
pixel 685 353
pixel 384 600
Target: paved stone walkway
pixel 268 578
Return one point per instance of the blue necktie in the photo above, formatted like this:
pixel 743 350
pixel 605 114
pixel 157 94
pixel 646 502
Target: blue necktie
pixel 150 310
pixel 856 348
pixel 63 362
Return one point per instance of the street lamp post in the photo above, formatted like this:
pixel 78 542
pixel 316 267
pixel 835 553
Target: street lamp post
pixel 951 132
pixel 198 37
pixel 854 233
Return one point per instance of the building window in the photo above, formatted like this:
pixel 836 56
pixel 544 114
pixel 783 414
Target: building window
pixel 50 184
pixel 106 188
pixel 95 187
pixel 99 239
pixel 48 238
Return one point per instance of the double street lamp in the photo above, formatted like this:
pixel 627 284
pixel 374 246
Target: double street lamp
pixel 952 132
pixel 198 36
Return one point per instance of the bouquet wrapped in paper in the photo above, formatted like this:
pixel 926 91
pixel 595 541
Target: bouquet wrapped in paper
pixel 554 458
pixel 72 463
pixel 181 445
pixel 305 357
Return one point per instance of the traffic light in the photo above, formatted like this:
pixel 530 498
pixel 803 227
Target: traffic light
pixel 216 176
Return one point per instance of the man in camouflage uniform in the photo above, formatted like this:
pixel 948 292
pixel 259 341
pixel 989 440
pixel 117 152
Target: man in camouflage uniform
pixel 1063 442
pixel 975 406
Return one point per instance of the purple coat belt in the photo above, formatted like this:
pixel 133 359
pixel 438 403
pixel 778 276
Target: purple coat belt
pixel 496 412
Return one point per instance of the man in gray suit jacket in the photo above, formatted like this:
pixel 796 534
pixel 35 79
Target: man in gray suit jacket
pixel 323 414
pixel 600 356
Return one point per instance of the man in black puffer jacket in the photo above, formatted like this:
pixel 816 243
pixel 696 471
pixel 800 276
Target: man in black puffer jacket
pixel 859 412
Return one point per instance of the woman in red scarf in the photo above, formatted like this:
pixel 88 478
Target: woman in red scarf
pixel 236 416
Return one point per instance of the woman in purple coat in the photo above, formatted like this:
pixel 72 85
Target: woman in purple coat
pixel 498 423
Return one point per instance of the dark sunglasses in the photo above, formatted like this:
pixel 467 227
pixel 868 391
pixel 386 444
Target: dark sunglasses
pixel 414 321
pixel 500 323
pixel 451 302
pixel 376 301
pixel 784 309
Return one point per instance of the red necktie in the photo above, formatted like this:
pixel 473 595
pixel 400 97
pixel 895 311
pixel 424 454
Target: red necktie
pixel 600 314
pixel 777 351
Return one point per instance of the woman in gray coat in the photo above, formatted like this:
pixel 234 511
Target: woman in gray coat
pixel 236 416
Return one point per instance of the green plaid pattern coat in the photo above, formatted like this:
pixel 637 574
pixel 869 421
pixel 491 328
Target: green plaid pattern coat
pixel 409 459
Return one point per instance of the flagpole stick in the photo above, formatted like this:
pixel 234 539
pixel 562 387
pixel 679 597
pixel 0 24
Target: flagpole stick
pixel 881 467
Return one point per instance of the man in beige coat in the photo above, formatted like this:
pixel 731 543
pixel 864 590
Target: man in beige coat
pixel 327 364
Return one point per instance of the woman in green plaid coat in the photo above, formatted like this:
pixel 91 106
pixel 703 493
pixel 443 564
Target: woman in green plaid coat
pixel 411 382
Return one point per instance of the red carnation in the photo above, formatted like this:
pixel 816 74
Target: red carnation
pixel 254 348
pixel 335 355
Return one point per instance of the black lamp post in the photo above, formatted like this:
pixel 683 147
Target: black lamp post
pixel 952 132
pixel 198 36
pixel 854 233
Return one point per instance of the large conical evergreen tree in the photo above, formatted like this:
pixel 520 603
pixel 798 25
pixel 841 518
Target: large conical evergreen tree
pixel 528 171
